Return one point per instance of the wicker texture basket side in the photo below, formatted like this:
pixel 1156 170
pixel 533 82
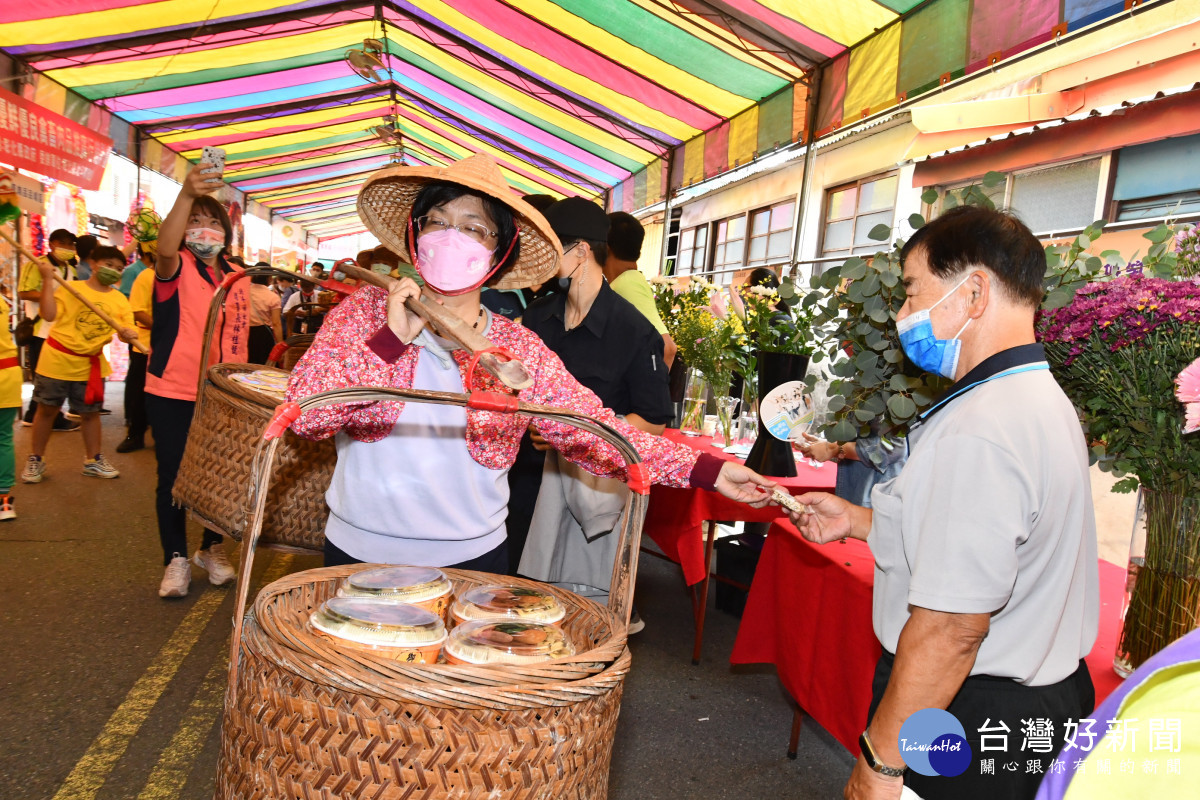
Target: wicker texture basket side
pixel 215 477
pixel 310 721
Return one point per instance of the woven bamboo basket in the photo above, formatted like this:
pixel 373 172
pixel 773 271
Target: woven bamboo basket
pixel 305 720
pixel 215 477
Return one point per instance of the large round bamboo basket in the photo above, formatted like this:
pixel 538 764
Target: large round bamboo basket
pixel 215 478
pixel 305 720
pixel 314 722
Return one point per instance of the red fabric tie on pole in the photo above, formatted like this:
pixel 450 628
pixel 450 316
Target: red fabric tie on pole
pixel 95 382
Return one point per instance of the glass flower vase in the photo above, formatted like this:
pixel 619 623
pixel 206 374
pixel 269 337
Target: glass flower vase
pixel 726 405
pixel 748 419
pixel 695 399
pixel 1162 584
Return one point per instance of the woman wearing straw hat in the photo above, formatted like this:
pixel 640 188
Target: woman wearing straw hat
pixel 426 484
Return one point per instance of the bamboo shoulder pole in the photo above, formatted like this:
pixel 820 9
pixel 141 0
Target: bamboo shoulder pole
pixel 109 321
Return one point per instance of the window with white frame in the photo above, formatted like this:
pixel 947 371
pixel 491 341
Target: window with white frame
pixel 729 247
pixel 1059 197
pixel 693 250
pixel 1157 180
pixel 771 235
pixel 853 209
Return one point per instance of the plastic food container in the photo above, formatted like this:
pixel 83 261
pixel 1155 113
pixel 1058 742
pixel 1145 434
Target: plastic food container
pixel 501 642
pixel 516 603
pixel 426 587
pixel 396 630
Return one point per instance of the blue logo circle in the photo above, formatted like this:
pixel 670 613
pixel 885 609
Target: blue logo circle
pixel 933 742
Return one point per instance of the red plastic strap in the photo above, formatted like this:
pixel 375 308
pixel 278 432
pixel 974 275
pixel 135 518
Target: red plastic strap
pixel 493 401
pixel 639 478
pixel 285 415
pixel 277 352
pixel 475 363
pixel 337 286
pixel 232 278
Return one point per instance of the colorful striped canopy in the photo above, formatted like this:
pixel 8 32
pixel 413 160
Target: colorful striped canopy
pixel 570 96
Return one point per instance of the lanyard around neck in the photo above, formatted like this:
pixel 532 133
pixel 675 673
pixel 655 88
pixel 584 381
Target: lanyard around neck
pixel 1038 365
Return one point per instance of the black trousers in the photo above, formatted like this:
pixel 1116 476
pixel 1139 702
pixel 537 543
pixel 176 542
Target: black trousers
pixel 494 560
pixel 988 702
pixel 261 342
pixel 170 420
pixel 135 395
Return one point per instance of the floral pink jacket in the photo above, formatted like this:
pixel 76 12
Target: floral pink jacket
pixel 356 348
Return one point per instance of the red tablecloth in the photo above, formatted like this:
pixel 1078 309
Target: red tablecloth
pixel 809 614
pixel 675 517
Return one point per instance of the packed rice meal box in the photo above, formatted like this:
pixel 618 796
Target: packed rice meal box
pixel 501 642
pixel 427 587
pixel 507 602
pixel 399 631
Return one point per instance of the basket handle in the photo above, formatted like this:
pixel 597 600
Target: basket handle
pixel 633 515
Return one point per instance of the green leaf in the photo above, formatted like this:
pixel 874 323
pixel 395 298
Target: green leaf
pixel 881 316
pixel 1057 299
pixel 854 269
pixel 950 202
pixel 915 221
pixel 866 361
pixel 863 415
pixel 843 431
pixel 993 179
pixel 786 290
pixel 1126 485
pixel 901 407
pixel 836 403
pixel 929 196
pixel 880 233
pixel 898 383
pixel 1082 241
pixel 1159 234
pixel 893 356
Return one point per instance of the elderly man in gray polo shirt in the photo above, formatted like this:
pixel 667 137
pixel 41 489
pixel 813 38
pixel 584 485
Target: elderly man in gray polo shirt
pixel 986 587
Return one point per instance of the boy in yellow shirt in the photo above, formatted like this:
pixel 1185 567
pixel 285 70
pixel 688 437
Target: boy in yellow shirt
pixel 10 407
pixel 72 364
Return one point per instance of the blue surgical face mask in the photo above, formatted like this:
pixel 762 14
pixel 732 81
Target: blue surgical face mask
pixel 923 348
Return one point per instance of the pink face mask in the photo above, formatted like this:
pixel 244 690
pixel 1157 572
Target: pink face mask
pixel 452 263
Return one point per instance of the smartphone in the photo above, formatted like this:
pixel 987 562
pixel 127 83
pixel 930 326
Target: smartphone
pixel 216 157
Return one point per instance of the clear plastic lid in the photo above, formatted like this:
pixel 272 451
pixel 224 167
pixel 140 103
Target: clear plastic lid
pixel 501 642
pixel 398 584
pixel 381 623
pixel 508 602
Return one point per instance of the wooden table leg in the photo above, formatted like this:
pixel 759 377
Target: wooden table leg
pixel 700 604
pixel 794 742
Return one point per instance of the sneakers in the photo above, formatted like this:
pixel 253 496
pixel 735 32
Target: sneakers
pixel 35 468
pixel 214 561
pixel 636 623
pixel 99 467
pixel 176 578
pixel 132 443
pixel 62 424
pixel 6 507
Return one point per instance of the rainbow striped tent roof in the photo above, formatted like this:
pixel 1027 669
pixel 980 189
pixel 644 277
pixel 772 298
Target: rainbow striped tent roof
pixel 570 96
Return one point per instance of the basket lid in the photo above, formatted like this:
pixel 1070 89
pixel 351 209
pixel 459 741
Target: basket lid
pixel 509 602
pixel 368 620
pixel 500 641
pixel 405 584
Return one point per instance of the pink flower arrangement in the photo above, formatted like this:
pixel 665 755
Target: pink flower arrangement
pixel 1187 391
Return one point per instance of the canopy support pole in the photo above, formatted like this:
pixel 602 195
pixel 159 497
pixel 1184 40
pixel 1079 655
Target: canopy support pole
pixel 814 100
pixel 666 235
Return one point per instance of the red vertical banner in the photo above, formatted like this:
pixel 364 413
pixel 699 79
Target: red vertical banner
pixel 33 138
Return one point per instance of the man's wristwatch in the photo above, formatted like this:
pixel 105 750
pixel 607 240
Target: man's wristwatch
pixel 864 744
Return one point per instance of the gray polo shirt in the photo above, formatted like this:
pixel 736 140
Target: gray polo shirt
pixel 993 513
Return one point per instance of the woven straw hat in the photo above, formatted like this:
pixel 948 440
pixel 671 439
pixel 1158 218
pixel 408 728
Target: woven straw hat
pixel 386 200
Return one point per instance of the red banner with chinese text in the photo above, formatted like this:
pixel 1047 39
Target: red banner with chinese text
pixel 49 144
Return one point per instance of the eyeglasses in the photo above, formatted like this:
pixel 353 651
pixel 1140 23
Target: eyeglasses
pixel 433 224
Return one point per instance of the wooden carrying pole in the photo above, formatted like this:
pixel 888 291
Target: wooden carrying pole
pixel 511 373
pixel 109 321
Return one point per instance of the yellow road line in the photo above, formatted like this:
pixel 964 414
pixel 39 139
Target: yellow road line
pixel 169 775
pixel 93 769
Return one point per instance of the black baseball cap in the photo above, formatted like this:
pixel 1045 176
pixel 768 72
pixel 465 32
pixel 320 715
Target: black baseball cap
pixel 575 218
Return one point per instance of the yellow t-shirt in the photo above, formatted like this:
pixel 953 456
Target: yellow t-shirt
pixel 80 330
pixel 141 298
pixel 31 281
pixel 10 377
pixel 633 286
